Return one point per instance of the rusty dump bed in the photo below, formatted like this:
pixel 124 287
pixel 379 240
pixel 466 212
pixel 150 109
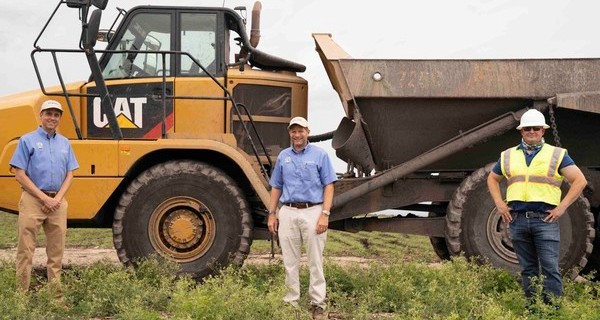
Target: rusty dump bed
pixel 408 107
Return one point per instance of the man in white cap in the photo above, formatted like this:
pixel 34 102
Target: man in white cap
pixel 43 164
pixel 534 171
pixel 302 181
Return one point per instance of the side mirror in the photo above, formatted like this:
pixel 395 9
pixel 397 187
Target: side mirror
pixel 92 28
pixel 100 4
pixel 75 3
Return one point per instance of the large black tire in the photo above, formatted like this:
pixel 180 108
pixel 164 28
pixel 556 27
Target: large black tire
pixel 185 211
pixel 439 243
pixel 593 179
pixel 475 228
pixel 593 265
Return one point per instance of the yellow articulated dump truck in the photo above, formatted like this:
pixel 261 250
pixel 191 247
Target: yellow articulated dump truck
pixel 175 133
pixel 182 118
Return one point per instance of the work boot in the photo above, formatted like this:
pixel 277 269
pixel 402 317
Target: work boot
pixel 318 313
pixel 294 304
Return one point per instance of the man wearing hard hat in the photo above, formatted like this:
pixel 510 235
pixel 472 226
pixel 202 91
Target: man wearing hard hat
pixel 43 164
pixel 534 171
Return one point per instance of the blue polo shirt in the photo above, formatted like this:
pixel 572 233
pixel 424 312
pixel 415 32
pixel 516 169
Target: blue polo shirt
pixel 532 206
pixel 301 176
pixel 45 158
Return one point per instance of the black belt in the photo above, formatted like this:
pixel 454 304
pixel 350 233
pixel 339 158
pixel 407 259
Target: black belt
pixel 50 194
pixel 532 214
pixel 300 205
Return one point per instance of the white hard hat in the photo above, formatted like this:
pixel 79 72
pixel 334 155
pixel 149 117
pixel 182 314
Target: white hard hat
pixel 299 121
pixel 51 104
pixel 532 118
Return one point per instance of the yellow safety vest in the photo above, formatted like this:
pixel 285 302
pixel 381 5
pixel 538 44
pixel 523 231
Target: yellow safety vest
pixel 540 182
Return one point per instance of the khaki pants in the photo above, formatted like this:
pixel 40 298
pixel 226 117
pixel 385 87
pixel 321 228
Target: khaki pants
pixel 295 227
pixel 31 218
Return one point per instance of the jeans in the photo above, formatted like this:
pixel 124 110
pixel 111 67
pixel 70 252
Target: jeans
pixel 537 245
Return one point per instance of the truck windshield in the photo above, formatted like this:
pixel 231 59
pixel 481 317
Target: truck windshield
pixel 145 32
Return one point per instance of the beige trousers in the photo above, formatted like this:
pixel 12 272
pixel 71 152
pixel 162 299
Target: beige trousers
pixel 297 226
pixel 30 219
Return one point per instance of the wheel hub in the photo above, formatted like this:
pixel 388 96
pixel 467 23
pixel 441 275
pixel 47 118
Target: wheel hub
pixel 182 229
pixel 499 237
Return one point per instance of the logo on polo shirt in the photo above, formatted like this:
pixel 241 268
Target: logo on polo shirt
pixel 39 145
pixel 287 160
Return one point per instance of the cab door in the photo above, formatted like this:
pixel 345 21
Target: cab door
pixel 200 104
pixel 133 70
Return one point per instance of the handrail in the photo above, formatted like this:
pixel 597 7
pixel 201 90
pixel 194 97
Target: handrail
pixel 262 144
pixel 227 94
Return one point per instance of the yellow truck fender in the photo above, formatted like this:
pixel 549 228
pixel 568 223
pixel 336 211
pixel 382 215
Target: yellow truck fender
pixel 132 151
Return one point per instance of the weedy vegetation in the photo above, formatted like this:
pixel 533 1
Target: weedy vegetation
pixel 397 277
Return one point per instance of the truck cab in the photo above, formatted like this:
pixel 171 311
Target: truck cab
pixel 197 48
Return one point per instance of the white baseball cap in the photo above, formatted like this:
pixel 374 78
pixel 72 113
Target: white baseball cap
pixel 51 104
pixel 299 121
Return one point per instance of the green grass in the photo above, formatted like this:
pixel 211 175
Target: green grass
pixel 391 290
pixel 398 281
pixel 369 245
pixel 8 230
pixel 80 237
pixel 375 245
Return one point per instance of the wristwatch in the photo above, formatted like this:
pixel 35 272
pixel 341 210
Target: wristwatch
pixel 326 212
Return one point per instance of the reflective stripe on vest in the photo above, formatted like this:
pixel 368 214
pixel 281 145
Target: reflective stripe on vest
pixel 540 181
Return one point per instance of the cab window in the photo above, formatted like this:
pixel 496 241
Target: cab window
pixel 145 32
pixel 198 38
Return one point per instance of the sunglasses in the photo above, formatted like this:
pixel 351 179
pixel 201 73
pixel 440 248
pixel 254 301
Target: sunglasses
pixel 531 128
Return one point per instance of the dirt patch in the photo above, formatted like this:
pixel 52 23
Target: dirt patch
pixel 263 259
pixel 72 256
pixel 89 256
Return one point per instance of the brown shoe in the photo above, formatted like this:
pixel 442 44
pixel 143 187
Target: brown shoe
pixel 318 313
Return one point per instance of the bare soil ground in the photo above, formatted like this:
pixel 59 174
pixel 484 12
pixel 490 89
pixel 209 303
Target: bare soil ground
pixel 89 256
pixel 73 256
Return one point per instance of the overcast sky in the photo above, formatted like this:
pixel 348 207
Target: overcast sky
pixel 433 29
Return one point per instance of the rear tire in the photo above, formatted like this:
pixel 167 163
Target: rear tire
pixel 440 247
pixel 475 228
pixel 185 211
pixel 593 179
pixel 593 264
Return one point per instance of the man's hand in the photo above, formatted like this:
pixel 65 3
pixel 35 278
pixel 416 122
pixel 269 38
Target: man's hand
pixel 273 223
pixel 50 204
pixel 555 214
pixel 322 224
pixel 493 183
pixel 504 211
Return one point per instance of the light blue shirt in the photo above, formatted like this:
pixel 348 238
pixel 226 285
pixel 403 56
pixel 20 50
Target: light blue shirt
pixel 45 158
pixel 301 176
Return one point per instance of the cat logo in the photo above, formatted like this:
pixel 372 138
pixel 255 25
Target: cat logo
pixel 123 111
pixel 138 115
